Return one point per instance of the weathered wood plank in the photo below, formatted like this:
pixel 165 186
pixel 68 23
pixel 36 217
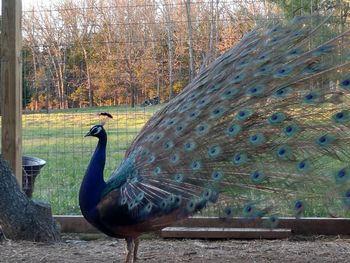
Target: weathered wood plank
pixel 11 85
pixel 216 232
pixel 305 226
pixel 75 224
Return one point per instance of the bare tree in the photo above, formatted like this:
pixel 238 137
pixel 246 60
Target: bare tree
pixel 213 33
pixel 150 14
pixel 82 25
pixel 190 38
pixel 54 50
pixel 29 23
pixel 169 32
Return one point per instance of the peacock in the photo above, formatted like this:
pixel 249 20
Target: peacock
pixel 263 131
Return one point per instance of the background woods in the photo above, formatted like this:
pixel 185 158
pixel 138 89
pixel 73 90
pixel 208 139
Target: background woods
pixel 112 52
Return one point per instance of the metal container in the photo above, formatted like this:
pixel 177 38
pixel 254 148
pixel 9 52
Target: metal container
pixel 31 168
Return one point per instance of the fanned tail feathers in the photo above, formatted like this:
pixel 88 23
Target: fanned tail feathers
pixel 263 131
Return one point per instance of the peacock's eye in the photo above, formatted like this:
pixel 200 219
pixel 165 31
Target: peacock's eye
pixel 96 130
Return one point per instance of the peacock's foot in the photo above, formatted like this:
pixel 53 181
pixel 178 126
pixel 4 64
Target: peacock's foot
pixel 132 245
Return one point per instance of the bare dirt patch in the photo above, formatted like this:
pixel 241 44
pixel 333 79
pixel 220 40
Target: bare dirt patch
pixel 86 248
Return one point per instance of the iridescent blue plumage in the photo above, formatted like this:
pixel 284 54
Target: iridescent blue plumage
pixel 93 183
pixel 262 131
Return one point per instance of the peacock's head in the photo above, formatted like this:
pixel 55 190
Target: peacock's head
pixel 96 131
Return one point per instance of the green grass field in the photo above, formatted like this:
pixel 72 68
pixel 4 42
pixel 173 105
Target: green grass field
pixel 58 138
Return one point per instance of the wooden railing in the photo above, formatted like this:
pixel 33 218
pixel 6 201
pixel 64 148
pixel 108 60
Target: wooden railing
pixel 213 227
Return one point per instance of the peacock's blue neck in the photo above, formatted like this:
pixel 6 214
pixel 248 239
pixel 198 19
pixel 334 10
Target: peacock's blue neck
pixel 93 183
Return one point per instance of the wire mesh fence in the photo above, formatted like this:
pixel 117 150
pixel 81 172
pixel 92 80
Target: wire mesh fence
pixel 57 137
pixel 84 57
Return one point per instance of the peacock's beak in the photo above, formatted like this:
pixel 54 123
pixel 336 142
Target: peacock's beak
pixel 88 134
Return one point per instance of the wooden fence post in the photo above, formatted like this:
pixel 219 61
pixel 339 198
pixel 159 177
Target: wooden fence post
pixel 11 85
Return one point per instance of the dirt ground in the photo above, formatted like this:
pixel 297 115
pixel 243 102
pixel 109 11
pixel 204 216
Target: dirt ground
pixel 75 249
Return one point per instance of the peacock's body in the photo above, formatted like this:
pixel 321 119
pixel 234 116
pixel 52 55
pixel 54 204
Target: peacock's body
pixel 264 130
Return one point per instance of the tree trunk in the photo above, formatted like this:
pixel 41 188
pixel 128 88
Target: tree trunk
pixel 169 30
pixel 190 41
pixel 154 57
pixel 20 217
pixel 213 34
pixel 88 76
pixel 132 88
pixel 170 63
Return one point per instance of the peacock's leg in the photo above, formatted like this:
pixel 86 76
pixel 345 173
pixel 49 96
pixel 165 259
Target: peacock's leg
pixel 136 247
pixel 130 249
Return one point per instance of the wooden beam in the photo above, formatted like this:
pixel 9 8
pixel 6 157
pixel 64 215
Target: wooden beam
pixel 11 85
pixel 303 226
